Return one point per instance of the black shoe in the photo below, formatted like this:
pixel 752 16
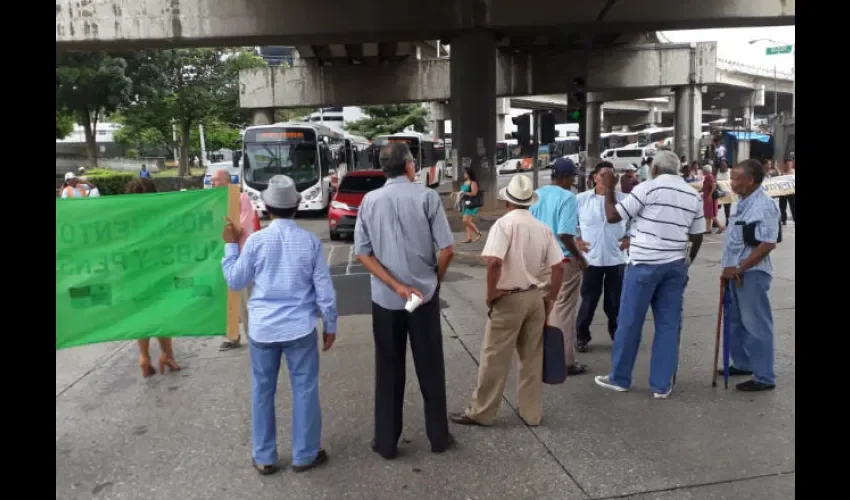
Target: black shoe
pixel 449 444
pixel 321 458
pixel 576 369
pixel 734 372
pixel 581 346
pixel 753 386
pixel 386 456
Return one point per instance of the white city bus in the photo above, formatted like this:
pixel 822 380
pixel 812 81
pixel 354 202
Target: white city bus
pixel 309 153
pixel 429 167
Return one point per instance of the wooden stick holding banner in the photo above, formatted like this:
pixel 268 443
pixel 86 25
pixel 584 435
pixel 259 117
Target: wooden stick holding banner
pixel 233 299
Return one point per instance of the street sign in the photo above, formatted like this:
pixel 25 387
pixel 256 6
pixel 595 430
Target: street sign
pixel 779 49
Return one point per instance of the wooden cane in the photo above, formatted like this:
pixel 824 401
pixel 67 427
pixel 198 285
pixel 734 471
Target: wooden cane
pixel 717 337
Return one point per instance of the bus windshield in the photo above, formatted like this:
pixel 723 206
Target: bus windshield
pixel 281 152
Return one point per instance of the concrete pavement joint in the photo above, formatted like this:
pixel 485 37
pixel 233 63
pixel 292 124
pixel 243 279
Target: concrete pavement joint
pixel 516 412
pixel 95 367
pixel 696 485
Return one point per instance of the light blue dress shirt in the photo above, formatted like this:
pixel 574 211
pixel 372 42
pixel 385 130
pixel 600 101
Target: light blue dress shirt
pixel 603 236
pixel 292 283
pixel 557 208
pixel 757 207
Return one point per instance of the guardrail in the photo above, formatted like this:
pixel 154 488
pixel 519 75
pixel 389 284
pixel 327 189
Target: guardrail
pixel 749 69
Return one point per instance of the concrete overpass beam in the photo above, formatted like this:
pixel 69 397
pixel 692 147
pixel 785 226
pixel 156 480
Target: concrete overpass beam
pixel 473 88
pixel 116 24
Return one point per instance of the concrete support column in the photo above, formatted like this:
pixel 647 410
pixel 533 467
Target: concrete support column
pixel 503 110
pixel 262 116
pixel 688 121
pixel 473 109
pixel 593 128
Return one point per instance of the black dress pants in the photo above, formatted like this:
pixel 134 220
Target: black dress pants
pixel 390 330
pixel 784 202
pixel 595 282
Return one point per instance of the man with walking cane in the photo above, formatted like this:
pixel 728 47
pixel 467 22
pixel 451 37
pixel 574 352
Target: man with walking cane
pixel 747 273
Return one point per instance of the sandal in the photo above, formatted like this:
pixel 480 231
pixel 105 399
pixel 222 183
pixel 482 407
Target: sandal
pixel 147 368
pixel 477 238
pixel 165 361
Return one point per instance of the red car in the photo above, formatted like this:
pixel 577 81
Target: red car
pixel 342 213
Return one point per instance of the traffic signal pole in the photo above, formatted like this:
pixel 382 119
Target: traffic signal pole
pixel 535 117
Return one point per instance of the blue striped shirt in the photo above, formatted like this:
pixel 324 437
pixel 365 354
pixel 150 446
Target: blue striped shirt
pixel 292 283
pixel 757 207
pixel 403 224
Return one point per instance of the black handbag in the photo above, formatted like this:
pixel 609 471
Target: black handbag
pixel 748 231
pixel 473 201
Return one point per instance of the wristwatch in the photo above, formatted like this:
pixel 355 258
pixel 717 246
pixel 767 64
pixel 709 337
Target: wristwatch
pixel 739 270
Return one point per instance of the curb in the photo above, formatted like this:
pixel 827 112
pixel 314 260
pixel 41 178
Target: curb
pixel 466 258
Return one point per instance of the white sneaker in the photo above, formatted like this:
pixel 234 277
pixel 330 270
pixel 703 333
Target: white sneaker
pixel 662 395
pixel 605 381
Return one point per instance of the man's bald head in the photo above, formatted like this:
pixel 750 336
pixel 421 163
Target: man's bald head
pixel 220 177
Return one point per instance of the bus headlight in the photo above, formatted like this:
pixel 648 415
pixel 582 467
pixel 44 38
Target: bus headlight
pixel 312 193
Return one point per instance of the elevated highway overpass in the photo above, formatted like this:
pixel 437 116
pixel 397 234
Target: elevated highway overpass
pixel 123 24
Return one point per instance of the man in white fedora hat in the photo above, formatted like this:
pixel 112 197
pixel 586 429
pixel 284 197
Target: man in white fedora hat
pixel 521 254
pixel 292 283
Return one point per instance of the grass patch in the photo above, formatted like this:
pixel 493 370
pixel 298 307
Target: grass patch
pixel 172 172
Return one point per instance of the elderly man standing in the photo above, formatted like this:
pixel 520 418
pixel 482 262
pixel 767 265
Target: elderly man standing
pixel 221 178
pixel 399 229
pixel 604 246
pixel 665 214
pixel 747 272
pixel 521 252
pixel 558 209
pixel 292 283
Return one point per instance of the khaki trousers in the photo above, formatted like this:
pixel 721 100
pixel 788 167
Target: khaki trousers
pixel 244 296
pixel 565 309
pixel 516 322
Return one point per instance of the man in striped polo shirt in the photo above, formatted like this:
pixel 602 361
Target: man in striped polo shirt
pixel 665 214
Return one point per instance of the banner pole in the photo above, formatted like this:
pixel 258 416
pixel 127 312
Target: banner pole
pixel 233 300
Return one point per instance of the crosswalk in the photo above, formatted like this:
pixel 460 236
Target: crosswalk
pixel 341 260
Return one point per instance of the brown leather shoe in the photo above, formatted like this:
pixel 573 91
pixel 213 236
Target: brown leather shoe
pixel 463 419
pixel 321 459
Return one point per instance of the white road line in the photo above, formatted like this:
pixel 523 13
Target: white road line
pixel 330 254
pixel 350 259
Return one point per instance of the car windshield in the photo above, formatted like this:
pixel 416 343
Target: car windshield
pixel 296 159
pixel 361 184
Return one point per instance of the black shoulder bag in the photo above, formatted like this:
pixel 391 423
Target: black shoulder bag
pixel 749 233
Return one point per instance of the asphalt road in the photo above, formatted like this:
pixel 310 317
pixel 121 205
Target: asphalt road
pixel 543 178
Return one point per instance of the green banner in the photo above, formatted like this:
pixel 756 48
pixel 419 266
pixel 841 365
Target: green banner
pixel 138 266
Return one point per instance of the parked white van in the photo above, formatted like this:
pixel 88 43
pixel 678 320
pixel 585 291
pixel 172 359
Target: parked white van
pixel 623 157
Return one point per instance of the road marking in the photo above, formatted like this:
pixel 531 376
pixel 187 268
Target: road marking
pixel 330 254
pixel 350 258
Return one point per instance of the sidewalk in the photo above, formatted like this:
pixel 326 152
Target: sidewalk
pixel 187 435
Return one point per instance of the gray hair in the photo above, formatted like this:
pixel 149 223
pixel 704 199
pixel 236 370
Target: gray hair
pixel 393 157
pixel 666 162
pixel 706 169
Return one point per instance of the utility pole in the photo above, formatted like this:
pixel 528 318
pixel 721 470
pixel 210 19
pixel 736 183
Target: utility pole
pixel 775 91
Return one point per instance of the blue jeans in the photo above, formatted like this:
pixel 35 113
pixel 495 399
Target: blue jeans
pixel 751 326
pixel 661 286
pixel 302 360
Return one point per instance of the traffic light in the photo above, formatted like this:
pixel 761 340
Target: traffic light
pixel 523 125
pixel 547 128
pixel 577 100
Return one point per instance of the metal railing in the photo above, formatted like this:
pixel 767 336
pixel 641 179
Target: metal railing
pixel 749 69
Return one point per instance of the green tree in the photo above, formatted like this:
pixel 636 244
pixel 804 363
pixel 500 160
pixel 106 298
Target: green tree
pixel 390 119
pixel 292 114
pixel 187 87
pixel 90 85
pixel 64 124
